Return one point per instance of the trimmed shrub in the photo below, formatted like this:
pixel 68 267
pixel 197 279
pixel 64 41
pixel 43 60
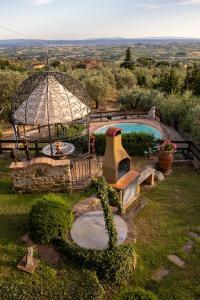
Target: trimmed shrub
pixel 82 284
pixel 135 143
pixel 50 219
pixel 114 266
pixel 135 294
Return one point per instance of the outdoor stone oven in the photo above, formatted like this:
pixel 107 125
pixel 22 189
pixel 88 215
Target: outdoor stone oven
pixel 117 168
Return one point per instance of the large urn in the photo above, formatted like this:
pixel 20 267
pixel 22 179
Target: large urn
pixel 165 160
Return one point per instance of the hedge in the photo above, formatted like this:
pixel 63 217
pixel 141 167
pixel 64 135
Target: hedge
pixel 135 294
pixel 135 143
pixel 83 285
pixel 49 219
pixel 112 265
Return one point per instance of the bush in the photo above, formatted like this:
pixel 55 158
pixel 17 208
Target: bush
pixel 134 143
pixel 50 219
pixel 136 294
pixel 114 266
pixel 70 284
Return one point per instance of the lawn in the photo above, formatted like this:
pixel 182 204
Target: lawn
pixel 172 210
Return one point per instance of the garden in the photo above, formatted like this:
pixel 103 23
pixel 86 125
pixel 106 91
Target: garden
pixel 99 216
pixel 163 227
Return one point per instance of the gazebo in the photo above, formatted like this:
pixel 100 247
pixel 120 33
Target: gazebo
pixel 52 107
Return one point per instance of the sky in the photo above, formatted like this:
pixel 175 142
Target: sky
pixel 80 19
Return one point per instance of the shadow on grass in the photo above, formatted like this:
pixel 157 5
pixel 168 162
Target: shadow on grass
pixel 13 226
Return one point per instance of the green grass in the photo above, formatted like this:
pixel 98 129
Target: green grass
pixel 64 281
pixel 172 210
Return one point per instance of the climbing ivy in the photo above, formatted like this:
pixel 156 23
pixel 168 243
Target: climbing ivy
pixel 108 196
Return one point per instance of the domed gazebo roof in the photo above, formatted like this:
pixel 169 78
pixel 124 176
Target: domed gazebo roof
pixel 50 98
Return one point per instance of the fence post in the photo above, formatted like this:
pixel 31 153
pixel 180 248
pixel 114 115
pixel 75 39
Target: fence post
pixel 189 147
pixel 36 149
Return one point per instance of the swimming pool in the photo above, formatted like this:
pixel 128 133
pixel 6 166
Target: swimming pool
pixel 132 127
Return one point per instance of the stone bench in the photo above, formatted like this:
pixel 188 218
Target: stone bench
pixel 147 175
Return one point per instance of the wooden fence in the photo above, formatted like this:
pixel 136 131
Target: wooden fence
pixel 36 146
pixel 99 116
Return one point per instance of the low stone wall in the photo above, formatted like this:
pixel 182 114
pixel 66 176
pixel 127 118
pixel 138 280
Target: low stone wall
pixel 41 175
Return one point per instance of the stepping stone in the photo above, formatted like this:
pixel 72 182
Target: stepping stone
pixel 176 260
pixel 193 234
pixel 160 274
pixel 187 248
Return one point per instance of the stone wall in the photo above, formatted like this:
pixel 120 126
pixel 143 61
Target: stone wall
pixel 41 175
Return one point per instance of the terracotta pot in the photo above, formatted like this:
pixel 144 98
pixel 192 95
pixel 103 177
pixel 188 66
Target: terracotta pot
pixel 165 160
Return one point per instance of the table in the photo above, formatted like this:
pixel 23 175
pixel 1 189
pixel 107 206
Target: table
pixel 59 149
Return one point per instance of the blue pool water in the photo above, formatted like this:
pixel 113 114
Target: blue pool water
pixel 132 127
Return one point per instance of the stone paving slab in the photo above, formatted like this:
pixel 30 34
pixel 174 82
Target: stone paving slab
pixel 176 260
pixel 160 274
pixel 88 231
pixel 187 248
pixel 193 235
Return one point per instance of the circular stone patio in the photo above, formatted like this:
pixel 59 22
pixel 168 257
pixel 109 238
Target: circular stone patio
pixel 88 231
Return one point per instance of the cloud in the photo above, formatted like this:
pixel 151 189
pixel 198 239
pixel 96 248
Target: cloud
pixel 168 3
pixel 39 2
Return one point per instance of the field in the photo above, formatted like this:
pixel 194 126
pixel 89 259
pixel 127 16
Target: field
pixel 107 50
pixel 172 211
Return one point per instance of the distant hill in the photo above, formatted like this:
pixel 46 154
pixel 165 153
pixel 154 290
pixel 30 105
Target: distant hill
pixel 16 43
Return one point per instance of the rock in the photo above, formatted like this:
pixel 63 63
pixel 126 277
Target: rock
pixel 160 274
pixel 168 173
pixel 193 235
pixel 25 238
pixel 187 248
pixel 176 260
pixel 159 176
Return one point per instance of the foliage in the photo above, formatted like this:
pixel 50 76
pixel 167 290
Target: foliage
pixel 168 146
pixel 135 294
pixel 110 193
pixel 50 219
pixel 168 217
pixel 135 143
pixel 144 77
pixel 128 62
pixel 124 78
pixel 71 131
pixel 9 81
pixel 191 122
pixel 53 284
pixel 192 79
pixel 98 87
pixel 112 266
pixel 171 81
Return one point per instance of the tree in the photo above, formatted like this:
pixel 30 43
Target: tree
pixel 128 62
pixel 98 88
pixel 170 81
pixel 192 80
pixel 125 79
pixel 9 81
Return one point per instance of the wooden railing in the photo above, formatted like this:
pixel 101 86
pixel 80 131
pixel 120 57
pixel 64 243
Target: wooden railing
pixel 97 116
pixel 36 146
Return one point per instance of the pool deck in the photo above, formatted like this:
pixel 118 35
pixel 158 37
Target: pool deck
pixel 167 132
